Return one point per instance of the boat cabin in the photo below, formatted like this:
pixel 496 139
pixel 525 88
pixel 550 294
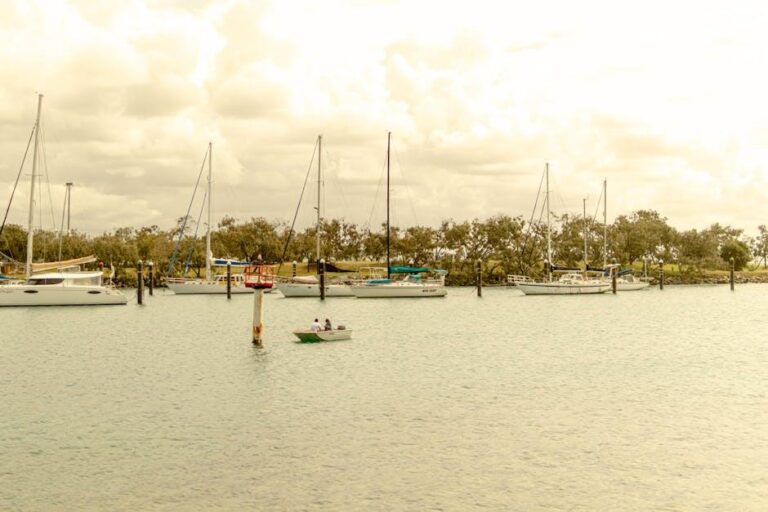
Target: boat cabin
pixel 66 279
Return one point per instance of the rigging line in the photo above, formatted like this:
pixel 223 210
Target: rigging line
pixel 47 179
pixel 337 184
pixel 407 188
pixel 10 258
pixel 16 184
pixel 376 196
pixel 186 217
pixel 529 228
pixel 194 237
pixel 597 206
pixel 544 206
pixel 296 214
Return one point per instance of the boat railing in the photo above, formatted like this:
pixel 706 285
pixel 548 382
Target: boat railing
pixel 513 279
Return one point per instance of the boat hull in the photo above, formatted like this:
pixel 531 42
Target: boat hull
pixel 562 289
pixel 628 287
pixel 318 336
pixel 36 295
pixel 383 291
pixel 206 288
pixel 313 290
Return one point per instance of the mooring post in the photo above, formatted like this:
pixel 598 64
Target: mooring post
pixel 293 268
pixel 479 277
pixel 321 273
pixel 614 273
pixel 258 313
pixel 733 267
pixel 151 269
pixel 140 282
pixel 661 275
pixel 229 279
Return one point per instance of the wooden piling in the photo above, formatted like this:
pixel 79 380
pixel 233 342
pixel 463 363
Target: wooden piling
pixel 661 276
pixel 151 269
pixel 293 269
pixel 614 273
pixel 733 267
pixel 140 282
pixel 258 313
pixel 229 280
pixel 479 277
pixel 321 274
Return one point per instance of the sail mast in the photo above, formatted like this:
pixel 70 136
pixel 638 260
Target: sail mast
pixel 319 186
pixel 31 218
pixel 389 138
pixel 208 230
pixel 585 234
pixel 549 236
pixel 605 222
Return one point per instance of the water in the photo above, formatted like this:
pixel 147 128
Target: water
pixel 641 401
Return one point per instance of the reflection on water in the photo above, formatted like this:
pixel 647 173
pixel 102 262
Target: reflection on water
pixel 640 401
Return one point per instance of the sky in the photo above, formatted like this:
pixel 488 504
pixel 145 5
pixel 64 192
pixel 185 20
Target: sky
pixel 665 100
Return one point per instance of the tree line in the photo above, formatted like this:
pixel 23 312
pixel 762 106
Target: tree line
pixel 506 245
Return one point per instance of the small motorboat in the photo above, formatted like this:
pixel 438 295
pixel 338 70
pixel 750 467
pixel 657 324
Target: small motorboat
pixel 309 336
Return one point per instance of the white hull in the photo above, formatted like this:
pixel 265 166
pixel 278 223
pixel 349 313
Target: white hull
pixel 313 336
pixel 37 295
pixel 395 290
pixel 206 288
pixel 628 287
pixel 556 288
pixel 313 290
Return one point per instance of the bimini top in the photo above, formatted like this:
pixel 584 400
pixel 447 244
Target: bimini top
pixel 222 262
pixel 415 270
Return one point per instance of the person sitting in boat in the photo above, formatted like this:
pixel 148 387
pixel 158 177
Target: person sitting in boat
pixel 315 326
pixel 328 326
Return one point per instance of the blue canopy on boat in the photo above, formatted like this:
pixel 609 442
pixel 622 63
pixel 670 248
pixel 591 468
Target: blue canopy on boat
pixel 415 270
pixel 222 262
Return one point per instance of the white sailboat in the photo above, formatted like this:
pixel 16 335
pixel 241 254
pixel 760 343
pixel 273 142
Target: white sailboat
pixel 55 283
pixel 309 286
pixel 414 285
pixel 210 284
pixel 624 282
pixel 570 283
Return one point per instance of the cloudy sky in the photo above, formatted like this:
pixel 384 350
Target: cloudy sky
pixel 664 99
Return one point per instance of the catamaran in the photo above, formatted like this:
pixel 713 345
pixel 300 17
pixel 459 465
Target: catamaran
pixel 571 282
pixel 309 286
pixel 414 284
pixel 211 284
pixel 57 283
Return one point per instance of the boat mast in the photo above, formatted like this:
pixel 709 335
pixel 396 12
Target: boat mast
pixel 389 138
pixel 605 222
pixel 585 234
pixel 549 236
pixel 319 186
pixel 31 218
pixel 208 230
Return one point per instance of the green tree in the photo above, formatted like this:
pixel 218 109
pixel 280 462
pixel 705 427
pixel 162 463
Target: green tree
pixel 738 250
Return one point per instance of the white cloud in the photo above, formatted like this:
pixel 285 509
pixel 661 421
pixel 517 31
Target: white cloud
pixel 662 99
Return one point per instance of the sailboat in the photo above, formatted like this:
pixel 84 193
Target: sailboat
pixel 211 284
pixel 413 285
pixel 571 282
pixel 309 286
pixel 625 280
pixel 57 283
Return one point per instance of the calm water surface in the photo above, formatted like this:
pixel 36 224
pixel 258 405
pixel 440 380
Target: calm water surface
pixel 641 401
